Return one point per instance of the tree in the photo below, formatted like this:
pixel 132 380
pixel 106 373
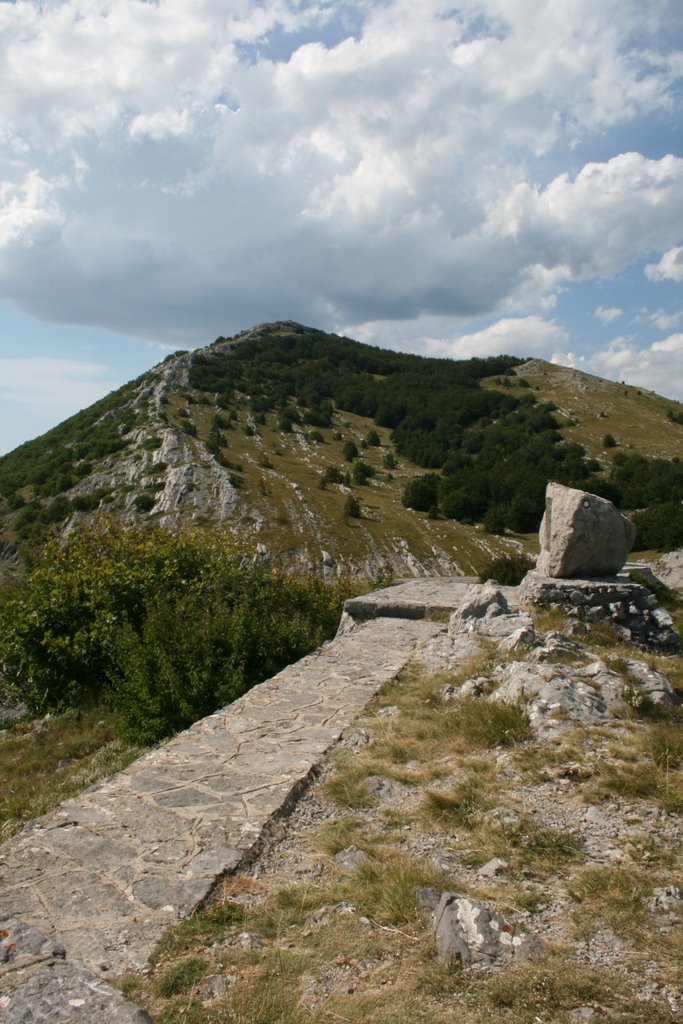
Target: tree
pixel 421 493
pixel 352 507
pixel 361 473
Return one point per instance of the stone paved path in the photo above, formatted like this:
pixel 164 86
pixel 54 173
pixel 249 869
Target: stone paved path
pixel 107 871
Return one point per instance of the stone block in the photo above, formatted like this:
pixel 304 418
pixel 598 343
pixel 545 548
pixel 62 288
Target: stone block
pixel 582 535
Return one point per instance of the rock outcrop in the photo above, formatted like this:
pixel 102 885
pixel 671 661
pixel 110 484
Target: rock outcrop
pixel 582 535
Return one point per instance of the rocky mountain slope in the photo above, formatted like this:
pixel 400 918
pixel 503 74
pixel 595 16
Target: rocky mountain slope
pixel 180 446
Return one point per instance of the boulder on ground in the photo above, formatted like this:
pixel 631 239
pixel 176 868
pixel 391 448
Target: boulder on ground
pixel 582 535
pixel 467 932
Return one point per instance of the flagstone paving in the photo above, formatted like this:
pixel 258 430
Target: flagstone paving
pixel 101 876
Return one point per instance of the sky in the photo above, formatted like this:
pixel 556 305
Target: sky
pixel 437 177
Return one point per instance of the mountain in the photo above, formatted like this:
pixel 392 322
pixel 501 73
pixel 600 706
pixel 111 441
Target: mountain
pixel 325 450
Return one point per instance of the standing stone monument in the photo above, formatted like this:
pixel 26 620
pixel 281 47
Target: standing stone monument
pixel 584 544
pixel 582 535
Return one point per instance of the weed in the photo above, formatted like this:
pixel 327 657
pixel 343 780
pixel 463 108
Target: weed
pixel 211 924
pixel 458 806
pixel 348 787
pixel 181 976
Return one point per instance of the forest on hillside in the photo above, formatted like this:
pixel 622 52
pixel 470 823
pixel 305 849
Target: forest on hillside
pixel 495 450
pixel 488 452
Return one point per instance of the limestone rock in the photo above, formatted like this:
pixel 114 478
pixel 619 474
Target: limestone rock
pixel 468 933
pixel 650 683
pixel 669 569
pixel 485 611
pixel 582 535
pixel 384 789
pixel 558 696
pixel 350 859
pixel 481 600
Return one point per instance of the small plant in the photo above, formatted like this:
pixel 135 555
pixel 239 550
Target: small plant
pixel 609 441
pixel 182 976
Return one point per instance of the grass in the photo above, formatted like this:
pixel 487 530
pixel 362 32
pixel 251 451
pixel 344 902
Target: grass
pixel 44 762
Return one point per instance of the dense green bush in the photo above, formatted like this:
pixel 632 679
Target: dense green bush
pixel 508 570
pixel 352 509
pixel 165 628
pixel 361 473
pixel 660 527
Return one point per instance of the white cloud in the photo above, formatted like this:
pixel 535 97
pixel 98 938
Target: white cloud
pixel 607 316
pixel 27 209
pixel 168 171
pixel 53 387
pixel 669 268
pixel 524 336
pixel 665 320
pixel 673 345
pixel 657 367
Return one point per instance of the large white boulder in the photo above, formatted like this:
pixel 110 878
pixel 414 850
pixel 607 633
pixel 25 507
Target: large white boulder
pixel 582 535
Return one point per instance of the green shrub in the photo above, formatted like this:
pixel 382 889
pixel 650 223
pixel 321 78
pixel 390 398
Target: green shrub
pixel 144 502
pixel 350 451
pixel 508 570
pixel 352 507
pixel 361 473
pixel 164 627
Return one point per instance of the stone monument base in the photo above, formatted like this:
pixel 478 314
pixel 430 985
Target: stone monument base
pixel 632 610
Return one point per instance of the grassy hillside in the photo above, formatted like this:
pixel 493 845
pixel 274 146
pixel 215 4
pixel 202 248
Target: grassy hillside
pixel 303 442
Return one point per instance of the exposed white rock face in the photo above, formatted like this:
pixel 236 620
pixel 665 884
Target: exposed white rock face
pixel 669 569
pixel 582 535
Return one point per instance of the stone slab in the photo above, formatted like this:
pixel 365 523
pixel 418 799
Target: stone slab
pixel 410 599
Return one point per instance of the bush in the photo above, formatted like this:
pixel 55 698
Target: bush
pixel 144 502
pixel 164 628
pixel 422 492
pixel 609 441
pixel 508 570
pixel 659 527
pixel 352 507
pixel 350 451
pixel 361 473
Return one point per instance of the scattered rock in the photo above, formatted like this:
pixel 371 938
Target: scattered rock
pixel 381 788
pixel 216 986
pixel 493 868
pixel 666 899
pixel 557 696
pixel 650 683
pixel 351 859
pixel 390 712
pixel 358 739
pixel 467 933
pixel 475 687
pixel 481 600
pixel 556 645
pixel 246 941
pixel 522 636
pixel 582 534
